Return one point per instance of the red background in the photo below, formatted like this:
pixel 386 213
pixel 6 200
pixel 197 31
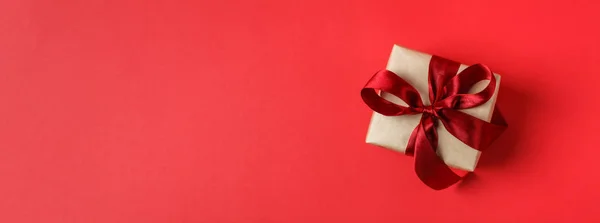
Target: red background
pixel 249 111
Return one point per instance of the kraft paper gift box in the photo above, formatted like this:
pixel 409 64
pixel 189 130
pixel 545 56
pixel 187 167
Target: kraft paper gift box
pixel 393 132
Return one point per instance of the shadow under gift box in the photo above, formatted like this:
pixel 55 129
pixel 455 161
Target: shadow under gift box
pixel 393 132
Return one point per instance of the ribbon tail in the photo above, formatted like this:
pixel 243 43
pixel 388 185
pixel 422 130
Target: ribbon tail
pixel 472 131
pixel 410 146
pixel 429 167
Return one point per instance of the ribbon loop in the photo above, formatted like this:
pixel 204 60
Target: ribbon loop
pixel 447 93
pixel 456 94
pixel 388 81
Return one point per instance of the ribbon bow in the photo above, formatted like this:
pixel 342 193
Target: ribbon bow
pixel 447 93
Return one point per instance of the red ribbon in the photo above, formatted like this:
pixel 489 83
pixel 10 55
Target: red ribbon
pixel 448 92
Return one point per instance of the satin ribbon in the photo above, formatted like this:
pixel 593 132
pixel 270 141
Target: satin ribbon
pixel 448 92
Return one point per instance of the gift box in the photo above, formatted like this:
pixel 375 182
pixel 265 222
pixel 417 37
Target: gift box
pixel 394 131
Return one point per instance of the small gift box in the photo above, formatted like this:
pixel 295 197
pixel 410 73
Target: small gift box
pixel 455 128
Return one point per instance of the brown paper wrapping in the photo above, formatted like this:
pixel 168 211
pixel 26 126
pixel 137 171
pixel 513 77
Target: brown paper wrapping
pixel 393 132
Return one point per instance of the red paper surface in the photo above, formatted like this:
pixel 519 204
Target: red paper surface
pixel 249 111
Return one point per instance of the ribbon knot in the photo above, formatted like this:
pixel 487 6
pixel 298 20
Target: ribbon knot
pixel 430 110
pixel 448 92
